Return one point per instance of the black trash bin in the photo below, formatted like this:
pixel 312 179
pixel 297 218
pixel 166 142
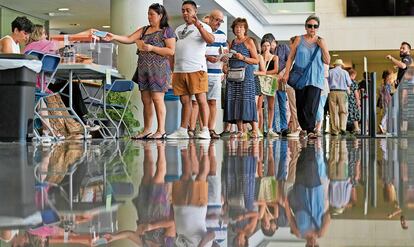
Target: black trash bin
pixel 17 97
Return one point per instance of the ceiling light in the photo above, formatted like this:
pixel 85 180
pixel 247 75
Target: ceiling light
pixel 106 26
pixel 335 55
pixel 63 9
pixel 59 14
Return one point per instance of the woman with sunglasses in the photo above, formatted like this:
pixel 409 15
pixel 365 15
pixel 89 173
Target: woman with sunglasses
pixel 156 42
pixel 307 96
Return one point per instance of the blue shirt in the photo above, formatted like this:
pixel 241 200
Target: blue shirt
pixel 339 79
pixel 315 75
pixel 282 51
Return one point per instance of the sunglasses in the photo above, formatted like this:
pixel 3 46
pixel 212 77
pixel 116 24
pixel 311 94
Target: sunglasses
pixel 316 26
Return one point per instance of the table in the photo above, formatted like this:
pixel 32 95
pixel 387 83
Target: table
pixel 67 71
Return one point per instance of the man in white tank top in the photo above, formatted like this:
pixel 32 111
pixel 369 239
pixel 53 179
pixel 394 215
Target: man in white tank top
pixel 21 29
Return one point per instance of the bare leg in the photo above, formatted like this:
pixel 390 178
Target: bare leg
pixel 203 106
pixel 194 115
pixel 186 110
pixel 158 99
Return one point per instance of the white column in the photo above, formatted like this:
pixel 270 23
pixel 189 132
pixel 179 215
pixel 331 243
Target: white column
pixel 126 17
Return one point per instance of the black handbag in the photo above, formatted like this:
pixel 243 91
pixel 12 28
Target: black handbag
pixel 297 73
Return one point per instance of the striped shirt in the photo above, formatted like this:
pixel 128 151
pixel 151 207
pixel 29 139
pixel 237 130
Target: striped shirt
pixel 220 40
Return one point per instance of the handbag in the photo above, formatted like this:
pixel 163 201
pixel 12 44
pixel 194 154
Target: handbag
pixel 268 83
pixel 236 74
pixel 297 73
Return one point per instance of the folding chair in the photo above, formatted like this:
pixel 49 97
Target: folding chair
pixel 118 86
pixel 49 67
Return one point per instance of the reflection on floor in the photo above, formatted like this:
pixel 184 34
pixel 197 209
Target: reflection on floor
pixel 281 192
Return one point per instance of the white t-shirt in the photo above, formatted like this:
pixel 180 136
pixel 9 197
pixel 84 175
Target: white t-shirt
pixel 190 49
pixel 190 224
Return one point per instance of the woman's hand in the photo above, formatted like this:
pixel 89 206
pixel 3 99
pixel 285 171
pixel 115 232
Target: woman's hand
pixel 285 78
pixel 109 37
pixel 239 56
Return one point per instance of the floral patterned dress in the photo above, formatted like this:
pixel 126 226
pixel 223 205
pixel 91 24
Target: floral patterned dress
pixel 354 112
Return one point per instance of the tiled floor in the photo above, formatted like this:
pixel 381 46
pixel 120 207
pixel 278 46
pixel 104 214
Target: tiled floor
pixel 280 192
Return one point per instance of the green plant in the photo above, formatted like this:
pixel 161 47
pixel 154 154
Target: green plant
pixel 129 119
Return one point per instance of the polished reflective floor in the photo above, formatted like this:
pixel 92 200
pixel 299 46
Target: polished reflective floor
pixel 280 192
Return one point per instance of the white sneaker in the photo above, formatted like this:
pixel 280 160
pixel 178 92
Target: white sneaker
pixel 180 133
pixel 293 134
pixel 272 134
pixel 203 134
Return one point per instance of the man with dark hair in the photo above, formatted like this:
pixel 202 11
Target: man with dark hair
pixel 406 60
pixel 21 29
pixel 190 69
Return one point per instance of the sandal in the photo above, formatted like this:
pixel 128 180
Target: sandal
pixel 162 137
pixel 191 133
pixel 254 134
pixel 241 135
pixel 141 136
pixel 214 135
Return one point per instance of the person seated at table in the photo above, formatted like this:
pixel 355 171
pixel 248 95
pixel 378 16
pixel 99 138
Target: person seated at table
pixel 21 29
pixel 38 42
pixel 62 127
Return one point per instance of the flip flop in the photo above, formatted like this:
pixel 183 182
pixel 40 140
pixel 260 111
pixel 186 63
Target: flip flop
pixel 162 137
pixel 141 137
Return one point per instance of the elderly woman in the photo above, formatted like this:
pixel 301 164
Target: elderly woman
pixel 156 42
pixel 312 82
pixel 240 105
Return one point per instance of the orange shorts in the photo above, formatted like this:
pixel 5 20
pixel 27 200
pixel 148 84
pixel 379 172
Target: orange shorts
pixel 190 83
pixel 194 193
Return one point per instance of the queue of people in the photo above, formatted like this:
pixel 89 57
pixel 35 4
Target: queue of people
pixel 196 59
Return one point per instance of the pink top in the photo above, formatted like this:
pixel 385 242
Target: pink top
pixel 44 46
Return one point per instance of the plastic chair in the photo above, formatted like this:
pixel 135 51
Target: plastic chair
pixel 117 86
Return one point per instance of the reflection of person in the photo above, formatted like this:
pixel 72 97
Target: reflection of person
pixel 155 224
pixel 155 43
pixel 307 203
pixel 239 169
pixel 21 29
pixel 307 98
pixel 190 199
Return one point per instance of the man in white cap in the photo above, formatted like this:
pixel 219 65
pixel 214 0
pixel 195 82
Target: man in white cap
pixel 339 83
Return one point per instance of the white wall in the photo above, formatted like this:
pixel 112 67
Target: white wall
pixel 361 33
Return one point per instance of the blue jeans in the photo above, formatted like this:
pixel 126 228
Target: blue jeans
pixel 321 108
pixel 280 106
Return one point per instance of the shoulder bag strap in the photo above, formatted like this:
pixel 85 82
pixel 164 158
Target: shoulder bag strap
pixel 268 62
pixel 312 58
